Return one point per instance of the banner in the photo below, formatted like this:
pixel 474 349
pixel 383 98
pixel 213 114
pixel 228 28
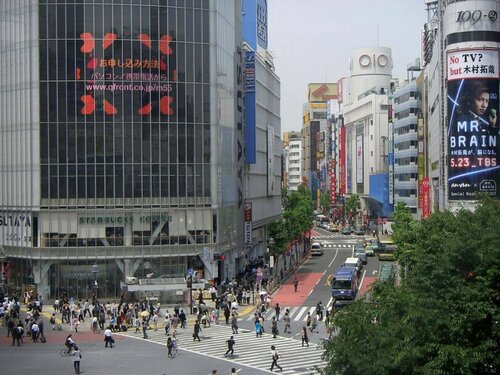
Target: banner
pixel 473 145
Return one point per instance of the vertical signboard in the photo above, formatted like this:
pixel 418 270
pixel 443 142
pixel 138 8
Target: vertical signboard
pixel 333 183
pixel 390 157
pixel 270 160
pixel 248 223
pixel 473 145
pixel 262 23
pixel 250 127
pixel 342 189
pixel 426 205
pixel 359 159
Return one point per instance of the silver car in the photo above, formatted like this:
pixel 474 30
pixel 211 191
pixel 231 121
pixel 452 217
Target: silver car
pixel 360 252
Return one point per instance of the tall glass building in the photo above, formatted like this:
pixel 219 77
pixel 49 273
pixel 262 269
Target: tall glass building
pixel 121 133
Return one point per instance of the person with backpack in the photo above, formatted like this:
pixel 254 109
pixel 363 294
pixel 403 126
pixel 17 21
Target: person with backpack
pixel 275 357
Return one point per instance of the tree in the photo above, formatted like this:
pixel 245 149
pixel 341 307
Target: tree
pixel 443 317
pixel 352 205
pixel 404 233
pixel 298 216
pixel 325 202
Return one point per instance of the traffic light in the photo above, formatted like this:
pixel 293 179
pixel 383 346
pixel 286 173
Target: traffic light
pixel 219 257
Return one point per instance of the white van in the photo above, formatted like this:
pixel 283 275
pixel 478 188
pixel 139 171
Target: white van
pixel 316 249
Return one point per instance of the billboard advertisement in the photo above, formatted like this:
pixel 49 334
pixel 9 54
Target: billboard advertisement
pixel 359 159
pixel 473 144
pixel 342 162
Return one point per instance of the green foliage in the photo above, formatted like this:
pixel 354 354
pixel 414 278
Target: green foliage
pixel 404 234
pixel 352 205
pixel 443 318
pixel 297 218
pixel 325 202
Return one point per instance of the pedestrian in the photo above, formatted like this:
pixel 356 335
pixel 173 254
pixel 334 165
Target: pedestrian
pixel 76 356
pixel 196 331
pixel 183 319
pixel 258 328
pixel 234 323
pixel 287 319
pixel 76 323
pixel 166 324
pixel 144 328
pixel 155 322
pixel 108 338
pixel 35 331
pixel 305 338
pixel 277 309
pixel 275 357
pixel 308 320
pixel 175 343
pixel 95 325
pixel 295 283
pixel 17 333
pixel 274 327
pixel 230 346
pixel 319 310
pixel 314 322
pixel 170 346
pixel 214 372
pixel 233 371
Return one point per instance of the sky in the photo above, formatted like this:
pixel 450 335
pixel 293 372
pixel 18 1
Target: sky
pixel 311 41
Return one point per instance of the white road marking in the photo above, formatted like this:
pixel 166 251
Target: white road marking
pixel 335 256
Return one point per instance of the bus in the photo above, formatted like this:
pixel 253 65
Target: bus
pixel 386 250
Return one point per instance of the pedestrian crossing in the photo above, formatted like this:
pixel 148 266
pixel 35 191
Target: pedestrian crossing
pixel 296 314
pixel 249 350
pixel 337 245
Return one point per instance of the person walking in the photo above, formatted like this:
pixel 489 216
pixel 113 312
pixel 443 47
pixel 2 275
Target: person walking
pixel 166 324
pixel 305 338
pixel 275 357
pixel 308 320
pixel 196 331
pixel 170 346
pixel 233 371
pixel 175 343
pixel 274 327
pixel 234 323
pixel 277 309
pixel 258 328
pixel 287 319
pixel 144 328
pixel 108 338
pixel 76 357
pixel 319 310
pixel 295 284
pixel 230 346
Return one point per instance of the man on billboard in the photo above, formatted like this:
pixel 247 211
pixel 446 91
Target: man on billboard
pixel 473 138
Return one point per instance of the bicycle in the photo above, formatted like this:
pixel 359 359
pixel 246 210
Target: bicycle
pixel 66 352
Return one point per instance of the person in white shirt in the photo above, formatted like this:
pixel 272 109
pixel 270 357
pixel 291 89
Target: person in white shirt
pixel 108 338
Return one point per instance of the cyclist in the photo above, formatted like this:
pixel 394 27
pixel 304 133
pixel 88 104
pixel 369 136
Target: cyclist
pixel 70 344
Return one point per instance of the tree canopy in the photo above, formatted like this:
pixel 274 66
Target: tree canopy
pixel 298 216
pixel 443 317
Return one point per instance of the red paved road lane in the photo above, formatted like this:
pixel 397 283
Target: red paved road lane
pixel 286 296
pixel 365 287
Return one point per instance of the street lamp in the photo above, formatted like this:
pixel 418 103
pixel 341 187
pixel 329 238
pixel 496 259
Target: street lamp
pixel 95 271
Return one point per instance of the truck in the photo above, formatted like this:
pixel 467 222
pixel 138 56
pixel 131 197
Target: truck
pixel 344 285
